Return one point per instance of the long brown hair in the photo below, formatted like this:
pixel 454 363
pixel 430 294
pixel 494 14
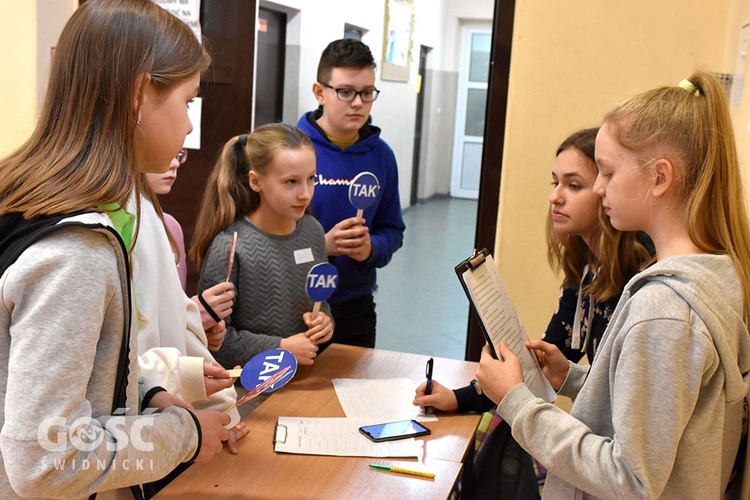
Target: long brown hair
pixel 228 194
pixel 618 254
pixel 694 124
pixel 81 154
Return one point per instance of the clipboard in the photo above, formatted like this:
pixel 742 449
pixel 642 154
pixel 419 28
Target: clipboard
pixel 476 259
pixel 337 437
pixel 498 318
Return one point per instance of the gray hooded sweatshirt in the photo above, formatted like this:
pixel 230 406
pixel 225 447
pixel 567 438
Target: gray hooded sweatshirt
pixel 64 305
pixel 660 412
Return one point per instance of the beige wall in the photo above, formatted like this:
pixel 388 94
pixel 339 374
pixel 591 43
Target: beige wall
pixel 566 72
pixel 740 15
pixel 18 80
pixel 29 29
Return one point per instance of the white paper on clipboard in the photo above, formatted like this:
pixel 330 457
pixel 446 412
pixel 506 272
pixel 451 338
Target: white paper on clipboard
pixel 337 437
pixel 498 315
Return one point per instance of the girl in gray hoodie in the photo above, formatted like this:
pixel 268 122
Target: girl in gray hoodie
pixel 658 414
pixel 116 104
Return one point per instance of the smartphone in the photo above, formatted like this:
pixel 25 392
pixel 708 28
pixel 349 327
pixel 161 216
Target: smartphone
pixel 391 431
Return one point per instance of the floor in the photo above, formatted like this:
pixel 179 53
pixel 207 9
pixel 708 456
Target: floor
pixel 421 306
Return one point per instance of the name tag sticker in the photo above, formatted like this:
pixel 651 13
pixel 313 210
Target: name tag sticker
pixel 303 255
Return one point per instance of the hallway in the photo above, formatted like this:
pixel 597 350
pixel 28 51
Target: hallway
pixel 421 306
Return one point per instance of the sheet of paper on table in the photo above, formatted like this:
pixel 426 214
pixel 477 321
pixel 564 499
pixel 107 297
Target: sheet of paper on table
pixel 383 399
pixel 337 437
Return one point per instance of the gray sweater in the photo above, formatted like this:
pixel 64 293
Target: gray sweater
pixel 660 413
pixel 63 305
pixel 269 279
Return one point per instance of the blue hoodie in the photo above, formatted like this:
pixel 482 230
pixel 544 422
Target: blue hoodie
pixel 330 205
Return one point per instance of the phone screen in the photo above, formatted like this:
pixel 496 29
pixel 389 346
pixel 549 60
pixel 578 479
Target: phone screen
pixel 394 430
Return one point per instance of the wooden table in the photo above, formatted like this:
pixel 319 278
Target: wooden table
pixel 259 472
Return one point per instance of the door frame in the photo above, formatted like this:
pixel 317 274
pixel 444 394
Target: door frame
pixel 417 156
pixel 492 154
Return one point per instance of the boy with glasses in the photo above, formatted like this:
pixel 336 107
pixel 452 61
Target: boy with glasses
pixel 347 144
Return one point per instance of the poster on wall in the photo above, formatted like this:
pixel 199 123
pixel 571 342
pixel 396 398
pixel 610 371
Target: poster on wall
pixel 397 40
pixel 193 140
pixel 187 10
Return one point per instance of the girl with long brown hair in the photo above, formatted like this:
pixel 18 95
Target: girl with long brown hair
pixel 121 80
pixel 597 261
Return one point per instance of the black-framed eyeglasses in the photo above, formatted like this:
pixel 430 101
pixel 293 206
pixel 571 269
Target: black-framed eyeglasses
pixel 182 156
pixel 348 95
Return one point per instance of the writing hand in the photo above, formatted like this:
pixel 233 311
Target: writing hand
pixel 441 398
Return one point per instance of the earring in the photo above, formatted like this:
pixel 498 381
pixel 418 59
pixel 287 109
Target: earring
pixel 138 121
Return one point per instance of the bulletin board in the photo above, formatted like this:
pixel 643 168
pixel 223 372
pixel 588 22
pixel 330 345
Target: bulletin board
pixel 397 40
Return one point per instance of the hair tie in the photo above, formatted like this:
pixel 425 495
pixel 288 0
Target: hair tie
pixel 688 86
pixel 239 146
pixel 208 309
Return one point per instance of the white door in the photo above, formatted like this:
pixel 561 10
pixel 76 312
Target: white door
pixel 470 111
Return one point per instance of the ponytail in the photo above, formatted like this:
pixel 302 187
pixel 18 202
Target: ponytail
pixel 227 196
pixel 717 213
pixel 691 121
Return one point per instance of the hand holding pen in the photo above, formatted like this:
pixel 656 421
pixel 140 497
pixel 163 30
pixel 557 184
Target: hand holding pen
pixel 431 395
pixel 428 374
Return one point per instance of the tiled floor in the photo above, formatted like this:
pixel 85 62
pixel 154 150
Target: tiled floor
pixel 421 306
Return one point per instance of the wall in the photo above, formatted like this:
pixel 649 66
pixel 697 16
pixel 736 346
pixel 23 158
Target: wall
pixel 18 80
pixel 308 32
pixel 437 26
pixel 740 14
pixel 443 65
pixel 566 72
pixel 29 29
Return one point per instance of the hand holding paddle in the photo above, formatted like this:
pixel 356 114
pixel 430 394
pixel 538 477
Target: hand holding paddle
pixel 363 191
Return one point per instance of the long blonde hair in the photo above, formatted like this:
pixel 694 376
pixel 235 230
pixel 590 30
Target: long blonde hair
pixel 228 194
pixel 620 253
pixel 81 154
pixel 694 124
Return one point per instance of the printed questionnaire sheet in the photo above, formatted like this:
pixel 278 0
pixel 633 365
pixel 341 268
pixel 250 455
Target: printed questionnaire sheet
pixel 500 319
pixel 338 437
pixel 383 399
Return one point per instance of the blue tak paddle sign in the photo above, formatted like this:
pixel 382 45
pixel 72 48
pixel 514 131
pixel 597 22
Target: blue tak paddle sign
pixel 265 372
pixel 363 191
pixel 320 284
pixel 266 364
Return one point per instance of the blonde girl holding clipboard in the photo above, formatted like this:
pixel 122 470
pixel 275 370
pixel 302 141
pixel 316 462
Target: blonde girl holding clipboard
pixel 670 377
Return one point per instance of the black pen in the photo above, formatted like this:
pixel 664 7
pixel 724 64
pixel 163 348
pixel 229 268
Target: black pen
pixel 428 373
